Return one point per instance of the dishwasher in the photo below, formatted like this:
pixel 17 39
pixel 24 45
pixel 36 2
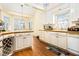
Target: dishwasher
pixel 73 44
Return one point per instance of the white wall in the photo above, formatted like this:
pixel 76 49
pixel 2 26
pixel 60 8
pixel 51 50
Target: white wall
pixel 37 21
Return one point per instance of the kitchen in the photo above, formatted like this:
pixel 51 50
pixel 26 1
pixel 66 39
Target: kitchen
pixel 53 24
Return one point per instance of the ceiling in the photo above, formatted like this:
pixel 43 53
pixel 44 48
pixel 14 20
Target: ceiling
pixel 28 8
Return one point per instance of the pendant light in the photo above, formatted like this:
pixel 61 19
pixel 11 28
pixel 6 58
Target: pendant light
pixel 22 16
pixel 21 11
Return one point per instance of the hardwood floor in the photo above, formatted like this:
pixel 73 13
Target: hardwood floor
pixel 24 52
pixel 38 49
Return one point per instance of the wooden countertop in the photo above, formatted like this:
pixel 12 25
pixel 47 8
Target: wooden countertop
pixel 14 32
pixel 62 31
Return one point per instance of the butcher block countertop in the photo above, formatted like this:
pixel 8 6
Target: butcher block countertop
pixel 62 31
pixel 14 32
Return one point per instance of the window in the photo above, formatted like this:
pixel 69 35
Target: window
pixel 19 24
pixel 63 20
pixel 6 22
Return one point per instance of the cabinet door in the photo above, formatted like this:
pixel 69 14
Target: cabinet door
pixel 27 40
pixel 47 37
pixel 62 42
pixel 42 35
pixel 19 41
pixel 53 38
pixel 50 37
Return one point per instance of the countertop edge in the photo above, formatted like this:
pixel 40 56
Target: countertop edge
pixel 14 32
pixel 62 31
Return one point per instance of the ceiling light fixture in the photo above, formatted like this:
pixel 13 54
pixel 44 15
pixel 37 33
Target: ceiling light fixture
pixel 22 11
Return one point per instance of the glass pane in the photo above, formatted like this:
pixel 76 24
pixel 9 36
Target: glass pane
pixel 63 21
pixel 19 24
pixel 6 22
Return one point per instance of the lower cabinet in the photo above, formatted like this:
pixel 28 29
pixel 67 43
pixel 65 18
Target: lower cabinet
pixel 23 40
pixel 27 40
pixel 73 42
pixel 42 35
pixel 55 38
pixel 19 41
pixel 47 37
pixel 51 38
pixel 62 41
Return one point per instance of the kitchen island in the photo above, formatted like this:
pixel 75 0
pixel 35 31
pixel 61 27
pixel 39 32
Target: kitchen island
pixel 11 42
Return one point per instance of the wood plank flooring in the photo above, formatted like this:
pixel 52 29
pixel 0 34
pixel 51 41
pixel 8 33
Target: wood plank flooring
pixel 38 49
pixel 24 52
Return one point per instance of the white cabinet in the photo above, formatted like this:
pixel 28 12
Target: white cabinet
pixel 47 37
pixel 23 40
pixel 42 35
pixel 55 38
pixel 73 44
pixel 52 38
pixel 19 41
pixel 1 38
pixel 62 40
pixel 27 40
